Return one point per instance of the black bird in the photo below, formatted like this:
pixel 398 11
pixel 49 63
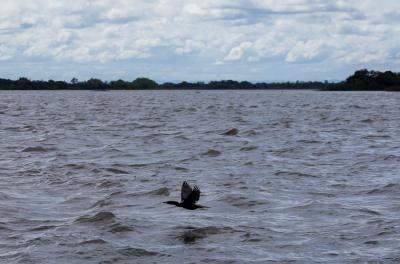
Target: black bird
pixel 189 197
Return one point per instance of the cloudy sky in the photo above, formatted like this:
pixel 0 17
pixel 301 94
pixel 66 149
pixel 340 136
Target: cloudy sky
pixel 171 40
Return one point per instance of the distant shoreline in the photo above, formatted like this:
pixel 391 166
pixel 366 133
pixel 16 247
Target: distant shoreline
pixel 362 80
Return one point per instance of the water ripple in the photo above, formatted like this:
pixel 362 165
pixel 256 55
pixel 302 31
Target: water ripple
pixel 288 176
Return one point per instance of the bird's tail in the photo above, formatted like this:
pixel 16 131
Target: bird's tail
pixel 172 202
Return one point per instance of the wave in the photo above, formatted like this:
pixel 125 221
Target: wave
pixel 182 137
pixel 190 235
pixel 369 211
pixel 43 228
pixel 109 184
pixel 120 228
pixel 250 237
pixel 294 174
pixel 322 194
pixel 212 153
pixel 249 148
pixel 3 227
pixel 231 132
pixel 107 221
pixel 93 241
pixel 375 136
pixel 140 165
pixel 357 107
pixel 38 149
pixel 4 196
pixel 99 217
pixel 251 132
pixel 306 141
pixel 181 169
pixel 116 171
pixel 75 166
pixel 389 188
pixel 101 203
pixel 164 191
pixel 282 150
pixel 391 157
pixel 241 201
pixel 138 252
pixel 367 121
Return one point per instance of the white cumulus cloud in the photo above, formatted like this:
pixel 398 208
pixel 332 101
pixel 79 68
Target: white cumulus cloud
pixel 176 39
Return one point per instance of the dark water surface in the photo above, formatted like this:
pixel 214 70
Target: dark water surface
pixel 310 177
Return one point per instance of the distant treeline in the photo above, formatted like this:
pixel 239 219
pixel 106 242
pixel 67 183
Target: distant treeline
pixel 92 84
pixel 148 84
pixel 360 80
pixel 364 80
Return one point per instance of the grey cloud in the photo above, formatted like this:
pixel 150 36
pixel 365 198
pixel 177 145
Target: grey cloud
pixel 392 17
pixel 246 12
pixel 350 29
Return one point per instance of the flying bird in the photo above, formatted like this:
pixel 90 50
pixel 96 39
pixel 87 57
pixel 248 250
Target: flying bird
pixel 189 197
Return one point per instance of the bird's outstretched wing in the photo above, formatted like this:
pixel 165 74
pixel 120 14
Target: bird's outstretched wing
pixel 195 195
pixel 189 195
pixel 185 191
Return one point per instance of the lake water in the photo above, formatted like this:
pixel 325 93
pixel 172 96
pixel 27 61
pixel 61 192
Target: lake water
pixel 310 177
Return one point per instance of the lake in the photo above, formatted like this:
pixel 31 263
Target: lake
pixel 310 176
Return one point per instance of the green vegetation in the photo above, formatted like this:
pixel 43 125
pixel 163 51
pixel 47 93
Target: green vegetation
pixel 74 84
pixel 362 80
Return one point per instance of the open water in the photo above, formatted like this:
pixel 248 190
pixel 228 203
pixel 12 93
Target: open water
pixel 310 177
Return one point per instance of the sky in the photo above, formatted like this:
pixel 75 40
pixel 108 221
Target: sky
pixel 193 40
